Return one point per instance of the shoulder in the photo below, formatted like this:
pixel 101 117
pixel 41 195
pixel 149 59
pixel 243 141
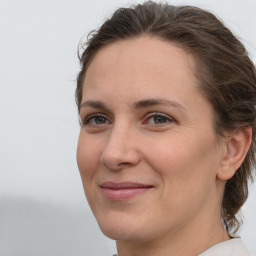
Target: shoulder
pixel 233 247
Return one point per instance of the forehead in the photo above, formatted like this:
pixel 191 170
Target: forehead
pixel 142 52
pixel 140 63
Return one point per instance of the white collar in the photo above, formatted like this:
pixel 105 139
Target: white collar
pixel 232 247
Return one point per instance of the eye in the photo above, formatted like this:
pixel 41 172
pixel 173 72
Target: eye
pixel 95 120
pixel 159 119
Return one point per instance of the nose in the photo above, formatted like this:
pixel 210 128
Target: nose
pixel 121 149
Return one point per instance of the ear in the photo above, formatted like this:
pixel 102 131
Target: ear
pixel 236 148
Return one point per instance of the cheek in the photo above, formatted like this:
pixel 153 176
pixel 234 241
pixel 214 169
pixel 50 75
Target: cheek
pixel 187 178
pixel 88 155
pixel 185 163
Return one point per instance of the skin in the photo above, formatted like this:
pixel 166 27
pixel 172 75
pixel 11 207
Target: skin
pixel 172 147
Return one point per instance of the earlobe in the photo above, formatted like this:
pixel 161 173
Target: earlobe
pixel 236 148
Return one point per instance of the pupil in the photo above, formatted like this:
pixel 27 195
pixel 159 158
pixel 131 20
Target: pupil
pixel 159 119
pixel 100 120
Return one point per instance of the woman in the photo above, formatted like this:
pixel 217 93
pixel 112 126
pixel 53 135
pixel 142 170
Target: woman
pixel 166 97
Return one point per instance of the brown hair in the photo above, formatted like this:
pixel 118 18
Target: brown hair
pixel 226 75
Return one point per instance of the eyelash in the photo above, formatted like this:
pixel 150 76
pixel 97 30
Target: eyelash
pixel 167 118
pixel 157 114
pixel 90 117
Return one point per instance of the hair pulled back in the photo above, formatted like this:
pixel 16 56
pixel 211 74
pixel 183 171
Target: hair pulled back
pixel 225 73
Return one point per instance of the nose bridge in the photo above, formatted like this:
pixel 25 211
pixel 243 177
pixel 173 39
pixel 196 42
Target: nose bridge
pixel 120 131
pixel 120 147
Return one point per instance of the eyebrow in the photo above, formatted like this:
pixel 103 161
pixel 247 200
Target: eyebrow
pixel 153 102
pixel 137 105
pixel 93 104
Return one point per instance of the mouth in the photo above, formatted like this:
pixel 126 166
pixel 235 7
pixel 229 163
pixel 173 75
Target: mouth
pixel 123 190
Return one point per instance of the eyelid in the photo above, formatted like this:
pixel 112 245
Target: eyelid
pixel 153 114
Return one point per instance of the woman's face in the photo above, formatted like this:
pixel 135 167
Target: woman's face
pixel 147 151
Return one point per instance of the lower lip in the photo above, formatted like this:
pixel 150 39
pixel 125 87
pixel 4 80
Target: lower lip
pixel 123 194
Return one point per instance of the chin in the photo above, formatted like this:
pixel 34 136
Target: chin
pixel 119 232
pixel 120 228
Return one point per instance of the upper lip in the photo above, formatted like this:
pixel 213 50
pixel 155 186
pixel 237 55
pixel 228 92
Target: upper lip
pixel 124 185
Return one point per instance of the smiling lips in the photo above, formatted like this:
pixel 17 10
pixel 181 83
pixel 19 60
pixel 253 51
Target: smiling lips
pixel 123 191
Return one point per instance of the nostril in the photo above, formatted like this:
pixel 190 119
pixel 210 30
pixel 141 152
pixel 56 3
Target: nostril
pixel 124 163
pixel 118 162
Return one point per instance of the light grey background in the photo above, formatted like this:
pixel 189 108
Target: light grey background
pixel 43 211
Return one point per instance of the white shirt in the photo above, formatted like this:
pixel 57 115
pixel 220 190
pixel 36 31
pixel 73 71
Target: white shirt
pixel 232 247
